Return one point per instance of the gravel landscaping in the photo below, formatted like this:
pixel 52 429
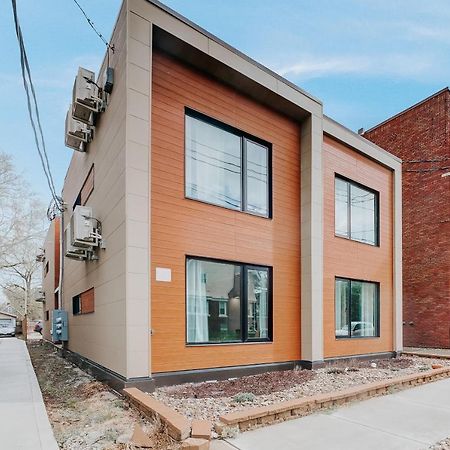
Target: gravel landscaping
pixel 441 445
pixel 210 400
pixel 84 413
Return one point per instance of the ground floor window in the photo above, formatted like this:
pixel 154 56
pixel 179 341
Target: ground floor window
pixel 357 309
pixel 227 302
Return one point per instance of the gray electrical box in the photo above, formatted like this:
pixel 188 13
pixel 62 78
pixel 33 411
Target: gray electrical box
pixel 60 325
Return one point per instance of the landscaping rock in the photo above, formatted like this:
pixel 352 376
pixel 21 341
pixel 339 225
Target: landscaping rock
pixel 244 397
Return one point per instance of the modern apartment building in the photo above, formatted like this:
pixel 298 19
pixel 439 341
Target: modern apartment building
pixel 241 229
pixel 420 135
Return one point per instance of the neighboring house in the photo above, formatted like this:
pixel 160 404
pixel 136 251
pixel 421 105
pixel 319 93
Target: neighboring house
pixel 420 135
pixel 7 324
pixel 242 230
pixel 50 274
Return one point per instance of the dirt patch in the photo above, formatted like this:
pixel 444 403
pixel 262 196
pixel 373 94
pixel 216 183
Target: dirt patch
pixel 255 384
pixel 84 413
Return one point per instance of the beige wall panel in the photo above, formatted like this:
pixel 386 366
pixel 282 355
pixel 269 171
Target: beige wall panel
pixel 101 336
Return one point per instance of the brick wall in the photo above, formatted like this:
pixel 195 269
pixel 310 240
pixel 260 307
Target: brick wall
pixel 422 134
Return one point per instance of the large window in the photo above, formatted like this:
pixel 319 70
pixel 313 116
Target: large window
pixel 226 167
pixel 356 212
pixel 357 308
pixel 227 302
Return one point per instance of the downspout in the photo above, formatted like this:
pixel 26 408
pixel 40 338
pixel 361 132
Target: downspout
pixel 61 266
pixel 61 262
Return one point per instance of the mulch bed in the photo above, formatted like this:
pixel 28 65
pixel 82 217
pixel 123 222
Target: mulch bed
pixel 255 384
pixel 388 363
pixel 277 381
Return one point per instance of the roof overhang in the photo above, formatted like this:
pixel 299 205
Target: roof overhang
pixel 360 144
pixel 179 37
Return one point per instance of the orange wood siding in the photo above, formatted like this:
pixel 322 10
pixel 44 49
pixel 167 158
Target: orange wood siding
pixel 181 227
pixel 88 186
pixel 87 300
pixel 345 258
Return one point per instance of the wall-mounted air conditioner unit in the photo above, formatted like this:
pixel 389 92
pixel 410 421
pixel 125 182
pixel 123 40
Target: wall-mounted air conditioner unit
pixel 86 99
pixel 83 228
pixel 70 251
pixel 77 134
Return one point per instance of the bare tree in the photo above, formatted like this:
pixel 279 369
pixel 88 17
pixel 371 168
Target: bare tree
pixel 9 190
pixel 14 302
pixel 22 229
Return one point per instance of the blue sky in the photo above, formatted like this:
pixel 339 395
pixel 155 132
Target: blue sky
pixel 366 60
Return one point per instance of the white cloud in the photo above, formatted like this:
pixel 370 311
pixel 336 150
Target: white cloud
pixel 311 67
pixel 397 65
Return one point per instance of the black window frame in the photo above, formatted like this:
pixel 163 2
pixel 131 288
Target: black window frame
pixel 244 137
pixel 76 305
pixel 244 267
pixel 349 210
pixel 378 305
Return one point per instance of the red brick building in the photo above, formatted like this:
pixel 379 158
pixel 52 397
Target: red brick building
pixel 420 136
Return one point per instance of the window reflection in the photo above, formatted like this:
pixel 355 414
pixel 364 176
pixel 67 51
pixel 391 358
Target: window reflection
pixel 226 168
pixel 258 303
pixel 257 179
pixel 213 164
pixel 355 212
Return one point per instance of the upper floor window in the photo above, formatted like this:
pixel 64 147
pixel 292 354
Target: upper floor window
pixel 356 212
pixel 226 167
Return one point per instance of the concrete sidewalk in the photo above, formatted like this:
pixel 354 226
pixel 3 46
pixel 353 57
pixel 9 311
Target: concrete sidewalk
pixel 408 420
pixel 24 422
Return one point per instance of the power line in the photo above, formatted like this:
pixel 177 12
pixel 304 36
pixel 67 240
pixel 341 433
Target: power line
pixel 92 25
pixel 32 101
